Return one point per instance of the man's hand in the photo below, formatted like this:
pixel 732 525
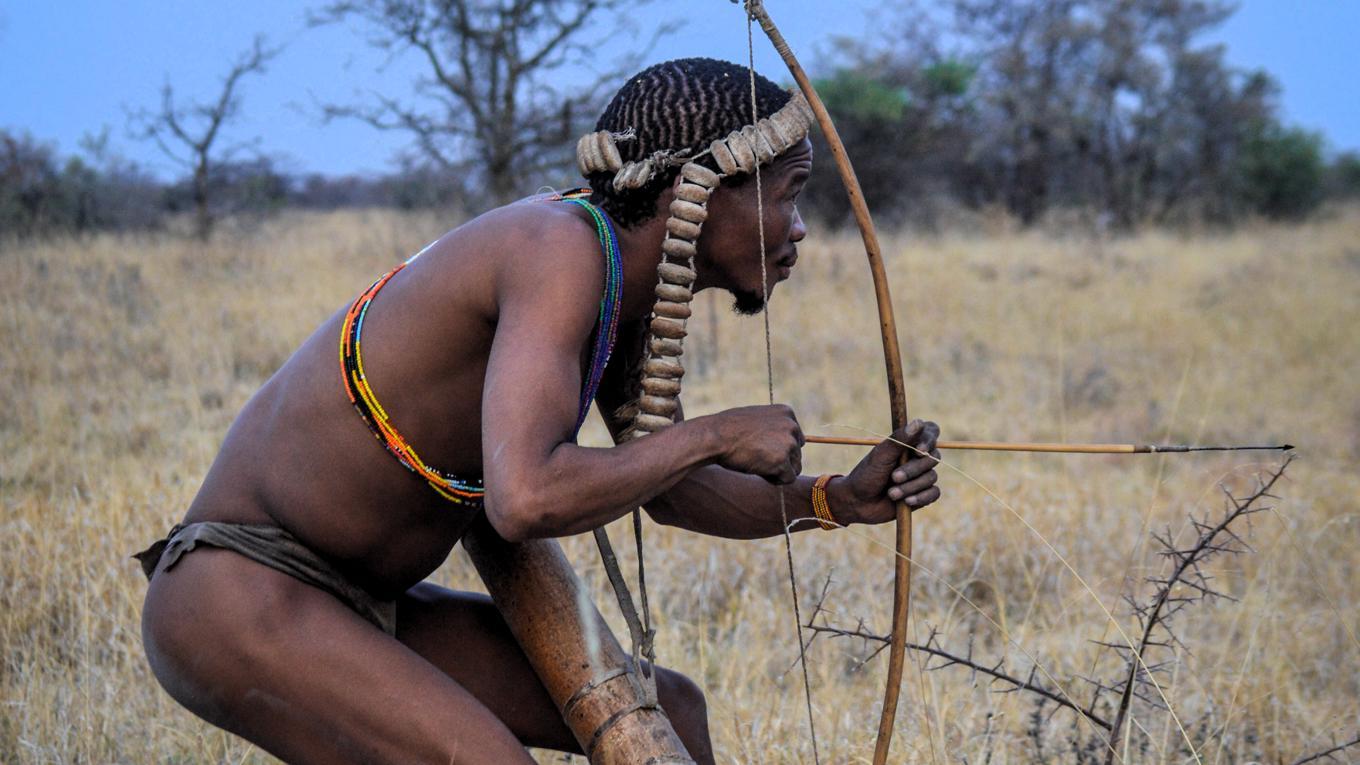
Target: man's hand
pixel 760 440
pixel 870 492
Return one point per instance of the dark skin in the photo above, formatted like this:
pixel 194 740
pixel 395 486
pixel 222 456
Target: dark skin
pixel 487 332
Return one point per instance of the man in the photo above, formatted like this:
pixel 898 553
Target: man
pixel 300 620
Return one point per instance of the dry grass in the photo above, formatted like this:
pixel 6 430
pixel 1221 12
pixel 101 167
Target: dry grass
pixel 128 357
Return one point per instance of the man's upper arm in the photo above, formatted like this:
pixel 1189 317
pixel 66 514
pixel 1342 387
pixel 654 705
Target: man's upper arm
pixel 547 296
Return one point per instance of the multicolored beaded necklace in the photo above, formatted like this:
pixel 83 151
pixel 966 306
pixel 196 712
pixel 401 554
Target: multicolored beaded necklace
pixel 607 325
pixel 465 491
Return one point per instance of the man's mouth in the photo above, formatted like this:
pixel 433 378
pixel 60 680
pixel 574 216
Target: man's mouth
pixel 785 265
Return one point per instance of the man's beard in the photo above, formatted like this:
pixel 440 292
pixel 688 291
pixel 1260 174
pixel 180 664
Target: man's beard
pixel 747 303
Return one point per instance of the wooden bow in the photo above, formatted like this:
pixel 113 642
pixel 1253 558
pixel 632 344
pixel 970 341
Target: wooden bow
pixel 892 357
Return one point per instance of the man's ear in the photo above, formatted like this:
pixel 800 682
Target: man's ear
pixel 667 195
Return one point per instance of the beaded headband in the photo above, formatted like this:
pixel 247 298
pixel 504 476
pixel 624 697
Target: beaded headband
pixel 742 151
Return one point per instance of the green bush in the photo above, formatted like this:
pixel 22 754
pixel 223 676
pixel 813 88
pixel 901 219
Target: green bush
pixel 1281 170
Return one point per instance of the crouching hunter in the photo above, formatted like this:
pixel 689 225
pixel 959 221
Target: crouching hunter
pixel 288 606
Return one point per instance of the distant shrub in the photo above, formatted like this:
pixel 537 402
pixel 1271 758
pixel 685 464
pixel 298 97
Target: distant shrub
pixel 1343 176
pixel 29 184
pixel 1281 170
pixel 40 194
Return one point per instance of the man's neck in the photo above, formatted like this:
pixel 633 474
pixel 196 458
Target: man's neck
pixel 640 250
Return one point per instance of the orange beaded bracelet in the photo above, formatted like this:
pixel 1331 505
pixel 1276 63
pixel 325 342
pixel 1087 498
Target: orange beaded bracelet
pixel 819 504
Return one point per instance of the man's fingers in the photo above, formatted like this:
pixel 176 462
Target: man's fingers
pixel 889 451
pixel 916 437
pixel 916 466
pixel 787 472
pixel 914 486
pixel 924 498
pixel 782 477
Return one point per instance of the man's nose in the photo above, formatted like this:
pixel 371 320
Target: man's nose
pixel 799 231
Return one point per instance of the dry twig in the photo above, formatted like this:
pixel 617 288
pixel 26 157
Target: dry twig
pixel 1327 753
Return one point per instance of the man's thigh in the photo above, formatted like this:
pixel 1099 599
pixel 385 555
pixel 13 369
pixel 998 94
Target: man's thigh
pixel 288 667
pixel 464 635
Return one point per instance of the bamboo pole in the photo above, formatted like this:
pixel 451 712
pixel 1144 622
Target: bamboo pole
pixel 555 623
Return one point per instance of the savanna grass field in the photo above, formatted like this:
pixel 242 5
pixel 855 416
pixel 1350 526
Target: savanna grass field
pixel 127 356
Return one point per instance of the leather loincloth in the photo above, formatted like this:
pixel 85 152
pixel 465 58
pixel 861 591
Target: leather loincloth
pixel 277 549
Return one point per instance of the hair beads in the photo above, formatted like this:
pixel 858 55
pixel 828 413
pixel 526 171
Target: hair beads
pixel 674 293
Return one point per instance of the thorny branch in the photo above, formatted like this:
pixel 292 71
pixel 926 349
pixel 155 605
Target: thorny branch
pixel 1185 584
pixel 932 647
pixel 1327 754
pixel 995 671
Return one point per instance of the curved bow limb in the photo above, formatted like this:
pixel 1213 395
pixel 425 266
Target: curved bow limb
pixel 892 357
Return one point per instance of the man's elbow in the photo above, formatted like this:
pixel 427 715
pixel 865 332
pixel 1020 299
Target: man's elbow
pixel 521 515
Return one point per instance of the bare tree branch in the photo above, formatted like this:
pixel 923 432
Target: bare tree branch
pixel 491 98
pixel 188 134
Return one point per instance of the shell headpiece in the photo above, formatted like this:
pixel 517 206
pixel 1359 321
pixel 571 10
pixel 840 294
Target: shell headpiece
pixel 742 151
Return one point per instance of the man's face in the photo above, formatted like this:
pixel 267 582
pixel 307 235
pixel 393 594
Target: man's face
pixel 729 247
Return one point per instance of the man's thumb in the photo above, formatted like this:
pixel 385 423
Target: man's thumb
pixel 889 452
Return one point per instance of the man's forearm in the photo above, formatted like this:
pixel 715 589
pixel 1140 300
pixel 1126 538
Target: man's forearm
pixel 576 489
pixel 719 502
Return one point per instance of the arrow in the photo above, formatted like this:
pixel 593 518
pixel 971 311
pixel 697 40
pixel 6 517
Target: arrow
pixel 1030 446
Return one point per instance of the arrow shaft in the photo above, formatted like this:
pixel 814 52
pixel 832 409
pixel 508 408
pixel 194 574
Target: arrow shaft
pixel 1061 448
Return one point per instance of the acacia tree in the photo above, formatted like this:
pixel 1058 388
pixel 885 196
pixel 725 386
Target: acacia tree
pixel 190 134
pixel 489 101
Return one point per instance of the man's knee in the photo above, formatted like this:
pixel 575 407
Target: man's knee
pixel 681 698
pixel 683 701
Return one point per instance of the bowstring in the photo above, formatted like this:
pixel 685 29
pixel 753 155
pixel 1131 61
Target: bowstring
pixel 769 376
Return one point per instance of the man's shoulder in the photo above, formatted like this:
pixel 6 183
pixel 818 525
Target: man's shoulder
pixel 547 252
pixel 540 228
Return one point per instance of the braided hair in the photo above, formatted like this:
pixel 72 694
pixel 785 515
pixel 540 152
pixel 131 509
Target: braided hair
pixel 682 104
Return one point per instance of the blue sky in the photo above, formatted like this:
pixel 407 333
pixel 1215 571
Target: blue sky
pixel 72 68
